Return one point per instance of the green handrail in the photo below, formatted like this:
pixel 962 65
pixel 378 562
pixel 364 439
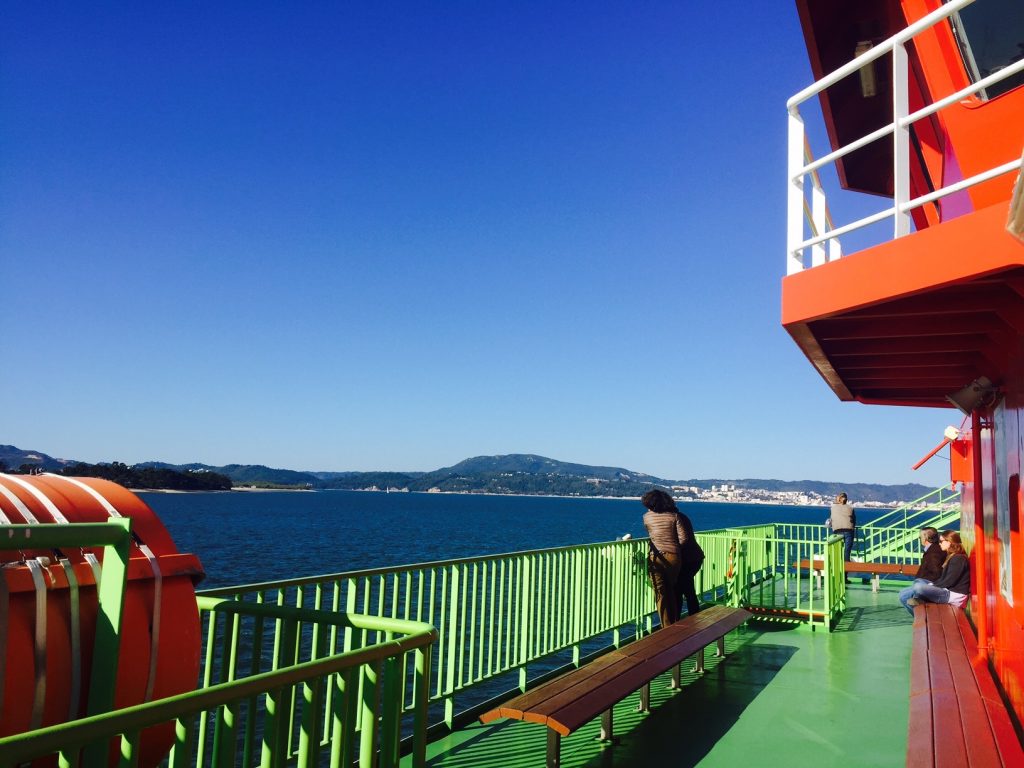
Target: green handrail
pixel 495 615
pixel 892 536
pixel 771 570
pixel 258 705
pixel 909 515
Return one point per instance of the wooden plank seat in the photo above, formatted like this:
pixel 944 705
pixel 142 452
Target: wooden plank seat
pixel 577 697
pixel 957 716
pixel 875 569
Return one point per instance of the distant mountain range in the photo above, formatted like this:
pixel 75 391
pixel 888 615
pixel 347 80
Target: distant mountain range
pixel 510 474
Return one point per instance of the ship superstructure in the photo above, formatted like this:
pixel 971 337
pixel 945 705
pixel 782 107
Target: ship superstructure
pixel 924 107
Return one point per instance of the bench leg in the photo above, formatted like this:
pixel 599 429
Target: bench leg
pixel 554 756
pixel 721 647
pixel 700 662
pixel 876 582
pixel 645 698
pixel 607 733
pixel 677 681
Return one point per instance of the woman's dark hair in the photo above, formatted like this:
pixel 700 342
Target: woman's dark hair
pixel 658 500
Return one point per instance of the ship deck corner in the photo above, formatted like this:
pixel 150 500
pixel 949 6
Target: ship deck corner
pixel 809 698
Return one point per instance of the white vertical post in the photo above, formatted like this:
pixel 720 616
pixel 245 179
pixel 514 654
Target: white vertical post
pixel 795 204
pixel 818 216
pixel 835 250
pixel 901 141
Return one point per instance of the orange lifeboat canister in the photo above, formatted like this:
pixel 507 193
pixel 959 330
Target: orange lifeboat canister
pixel 48 605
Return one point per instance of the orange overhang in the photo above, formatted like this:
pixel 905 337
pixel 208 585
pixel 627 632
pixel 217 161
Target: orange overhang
pixel 915 319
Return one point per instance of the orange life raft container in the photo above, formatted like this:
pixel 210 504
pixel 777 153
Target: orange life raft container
pixel 48 614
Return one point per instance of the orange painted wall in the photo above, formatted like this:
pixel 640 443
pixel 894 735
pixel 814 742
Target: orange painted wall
pixel 1006 596
pixel 991 525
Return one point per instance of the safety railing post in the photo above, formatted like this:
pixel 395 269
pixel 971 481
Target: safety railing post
pixel 901 141
pixel 795 205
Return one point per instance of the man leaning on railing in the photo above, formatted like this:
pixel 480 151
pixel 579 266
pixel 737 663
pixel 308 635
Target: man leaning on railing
pixel 842 519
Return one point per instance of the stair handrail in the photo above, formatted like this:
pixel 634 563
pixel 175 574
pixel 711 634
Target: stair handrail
pixel 908 511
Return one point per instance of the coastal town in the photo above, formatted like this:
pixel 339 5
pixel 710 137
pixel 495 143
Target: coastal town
pixel 731 493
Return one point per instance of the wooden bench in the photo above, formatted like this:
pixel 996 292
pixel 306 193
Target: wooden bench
pixel 577 697
pixel 957 716
pixel 850 566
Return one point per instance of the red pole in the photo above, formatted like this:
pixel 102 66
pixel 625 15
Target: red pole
pixel 931 453
pixel 980 551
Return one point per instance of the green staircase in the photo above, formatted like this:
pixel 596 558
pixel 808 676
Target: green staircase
pixel 893 536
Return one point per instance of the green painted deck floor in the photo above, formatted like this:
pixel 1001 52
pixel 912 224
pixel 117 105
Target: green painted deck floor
pixel 782 696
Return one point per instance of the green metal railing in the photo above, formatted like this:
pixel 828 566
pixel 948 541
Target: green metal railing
pixel 893 536
pixel 350 701
pixel 770 569
pixel 494 615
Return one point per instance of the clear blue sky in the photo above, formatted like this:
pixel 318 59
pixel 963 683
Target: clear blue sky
pixel 335 236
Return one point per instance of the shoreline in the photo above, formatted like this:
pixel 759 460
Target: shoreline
pixel 758 503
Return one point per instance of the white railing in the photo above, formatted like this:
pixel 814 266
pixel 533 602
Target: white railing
pixel 824 236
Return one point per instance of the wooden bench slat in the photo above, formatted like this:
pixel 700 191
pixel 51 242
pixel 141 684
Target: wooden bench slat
pixel 576 713
pixel 947 730
pixel 920 733
pixel 515 707
pixel 669 657
pixel 610 676
pixel 920 677
pixel 676 633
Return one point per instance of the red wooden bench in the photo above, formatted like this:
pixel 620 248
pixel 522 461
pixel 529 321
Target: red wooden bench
pixel 957 717
pixel 577 697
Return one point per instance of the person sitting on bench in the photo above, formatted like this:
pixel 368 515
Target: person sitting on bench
pixel 931 565
pixel 954 584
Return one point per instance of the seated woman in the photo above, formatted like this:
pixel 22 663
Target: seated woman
pixel 954 583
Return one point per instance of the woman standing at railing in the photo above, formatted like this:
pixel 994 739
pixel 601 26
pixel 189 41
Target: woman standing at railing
pixel 672 548
pixel 954 584
pixel 665 530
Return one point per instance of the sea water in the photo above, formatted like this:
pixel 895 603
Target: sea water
pixel 250 537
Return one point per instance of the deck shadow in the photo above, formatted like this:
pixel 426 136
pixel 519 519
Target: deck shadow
pixel 865 618
pixel 686 727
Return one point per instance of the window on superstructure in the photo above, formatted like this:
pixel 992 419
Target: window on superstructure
pixel 991 37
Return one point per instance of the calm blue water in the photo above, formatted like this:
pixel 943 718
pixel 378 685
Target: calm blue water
pixel 242 538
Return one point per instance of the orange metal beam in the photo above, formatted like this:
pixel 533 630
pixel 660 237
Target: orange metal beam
pixel 971 246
